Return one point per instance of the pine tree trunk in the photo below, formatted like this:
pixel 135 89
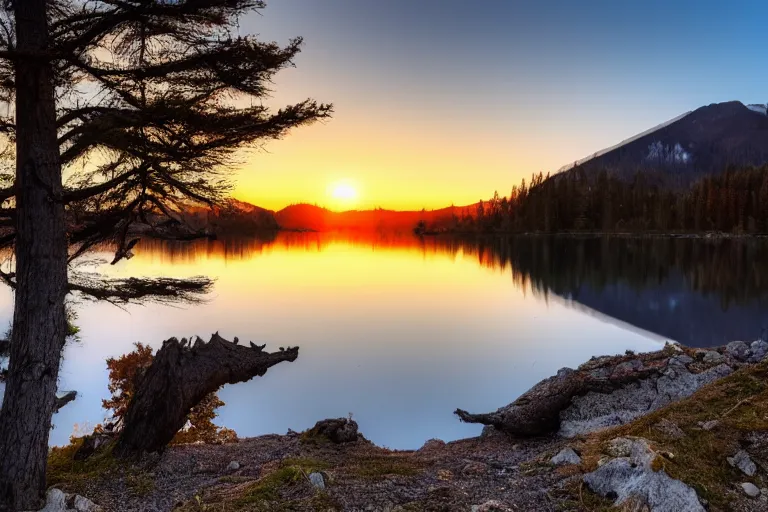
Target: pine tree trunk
pixel 39 323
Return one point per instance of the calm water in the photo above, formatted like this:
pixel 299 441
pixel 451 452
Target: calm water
pixel 399 332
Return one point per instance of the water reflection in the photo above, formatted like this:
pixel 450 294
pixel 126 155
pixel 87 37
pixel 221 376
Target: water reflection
pixel 396 330
pixel 696 291
pixel 400 331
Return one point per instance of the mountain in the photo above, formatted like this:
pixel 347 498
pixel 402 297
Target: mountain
pixel 306 216
pixel 233 217
pixel 703 141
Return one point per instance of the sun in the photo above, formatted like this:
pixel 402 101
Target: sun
pixel 343 193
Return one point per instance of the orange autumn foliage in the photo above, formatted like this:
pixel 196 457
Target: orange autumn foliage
pixel 122 380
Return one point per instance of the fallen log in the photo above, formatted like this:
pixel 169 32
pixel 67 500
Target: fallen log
pixel 537 411
pixel 178 379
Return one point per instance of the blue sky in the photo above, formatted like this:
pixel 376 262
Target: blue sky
pixel 493 90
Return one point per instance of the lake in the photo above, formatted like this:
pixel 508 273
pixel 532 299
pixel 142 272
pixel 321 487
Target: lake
pixel 399 331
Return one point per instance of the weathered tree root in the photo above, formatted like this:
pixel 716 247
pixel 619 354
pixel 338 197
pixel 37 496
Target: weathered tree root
pixel 179 377
pixel 537 411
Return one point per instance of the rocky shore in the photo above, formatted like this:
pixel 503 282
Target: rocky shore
pixel 673 430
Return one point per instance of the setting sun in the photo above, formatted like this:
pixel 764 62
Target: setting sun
pixel 343 194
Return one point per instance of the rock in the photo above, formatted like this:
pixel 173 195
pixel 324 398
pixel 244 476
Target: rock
pixel 632 478
pixel 683 359
pixel 620 447
pixel 55 501
pixel 758 350
pixel 709 425
pixel 594 410
pixel 712 357
pixel 91 444
pixel 340 430
pixel 742 461
pixel 566 456
pixel 474 468
pixel 669 429
pixel 627 368
pixel 233 466
pixel 432 444
pixel 317 480
pixel 738 350
pixel 491 506
pixel 750 489
pixel 83 504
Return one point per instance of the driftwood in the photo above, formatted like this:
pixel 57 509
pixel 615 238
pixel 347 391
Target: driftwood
pixel 537 411
pixel 179 377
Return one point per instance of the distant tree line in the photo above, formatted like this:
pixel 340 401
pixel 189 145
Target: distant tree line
pixel 735 201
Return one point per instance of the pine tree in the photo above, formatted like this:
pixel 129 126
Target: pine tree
pixel 141 103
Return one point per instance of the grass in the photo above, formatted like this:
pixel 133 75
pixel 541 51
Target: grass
pixel 739 402
pixel 291 472
pixel 379 466
pixel 73 475
pixel 64 470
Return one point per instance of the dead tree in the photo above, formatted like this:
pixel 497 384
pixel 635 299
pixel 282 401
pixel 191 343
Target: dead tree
pixel 179 377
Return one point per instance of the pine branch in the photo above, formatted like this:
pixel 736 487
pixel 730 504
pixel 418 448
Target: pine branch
pixel 136 290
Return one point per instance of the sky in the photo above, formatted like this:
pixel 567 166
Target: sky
pixel 441 102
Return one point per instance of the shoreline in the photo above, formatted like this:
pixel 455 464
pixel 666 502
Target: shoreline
pixel 317 470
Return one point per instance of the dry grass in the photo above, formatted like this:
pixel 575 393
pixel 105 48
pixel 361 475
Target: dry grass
pixel 740 404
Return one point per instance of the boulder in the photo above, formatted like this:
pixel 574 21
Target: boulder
pixel 758 350
pixel 233 466
pixel 595 410
pixel 55 501
pixel 566 456
pixel 338 431
pixel 737 350
pixel 632 479
pixel 742 461
pixel 712 357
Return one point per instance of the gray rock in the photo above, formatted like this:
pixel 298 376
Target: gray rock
pixel 758 350
pixel 620 447
pixel 682 359
pixel 632 478
pixel 233 466
pixel 317 480
pixel 738 350
pixel 566 456
pixel 55 501
pixel 709 425
pixel 595 411
pixel 338 431
pixel 750 489
pixel 712 357
pixel 669 429
pixel 83 504
pixel 742 461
